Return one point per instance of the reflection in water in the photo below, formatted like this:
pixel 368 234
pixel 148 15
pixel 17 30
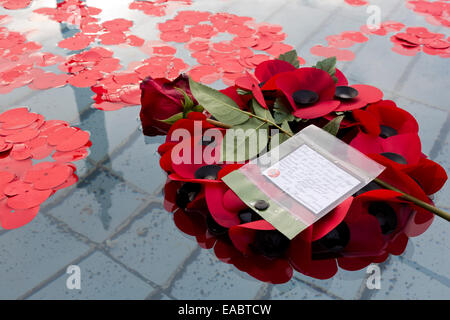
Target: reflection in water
pixel 97 128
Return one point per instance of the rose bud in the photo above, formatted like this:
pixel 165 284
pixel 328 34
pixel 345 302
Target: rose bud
pixel 160 100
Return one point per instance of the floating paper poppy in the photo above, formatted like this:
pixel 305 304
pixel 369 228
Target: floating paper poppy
pixel 436 12
pixel 24 186
pixel 158 8
pixel 226 60
pixel 416 39
pixel 15 4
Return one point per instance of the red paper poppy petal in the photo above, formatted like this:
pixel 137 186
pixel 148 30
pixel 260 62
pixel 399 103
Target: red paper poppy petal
pixel 352 104
pixel 342 80
pixel 318 110
pixel 429 174
pixel 192 224
pixel 23 135
pixel 414 229
pixel 367 121
pixel 166 162
pixel 17 187
pixel 365 236
pixel 316 80
pixel 408 145
pixel 331 220
pixel 267 69
pixel 367 143
pixel 228 169
pixel 300 258
pixel 369 94
pixel 60 135
pixel 71 156
pixel 29 199
pixel 389 114
pixel 77 140
pixel 232 202
pixel 241 238
pixel 48 178
pixel 275 271
pixel 353 263
pixel 13 219
pixel 165 147
pixel 398 245
pixel 214 194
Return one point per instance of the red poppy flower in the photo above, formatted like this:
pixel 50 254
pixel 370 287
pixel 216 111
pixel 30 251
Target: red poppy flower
pixel 386 119
pixel 241 100
pixel 430 176
pixel 355 96
pixel 200 165
pixel 402 149
pixel 310 92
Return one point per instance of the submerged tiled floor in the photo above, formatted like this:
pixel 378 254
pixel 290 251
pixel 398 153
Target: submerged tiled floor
pixel 112 225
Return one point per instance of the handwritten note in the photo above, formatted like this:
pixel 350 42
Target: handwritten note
pixel 311 179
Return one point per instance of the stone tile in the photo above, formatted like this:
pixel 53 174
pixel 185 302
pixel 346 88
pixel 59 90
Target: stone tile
pixel 153 245
pixel 109 129
pixel 430 121
pixel 83 166
pixel 332 25
pixel 101 278
pixel 401 281
pixel 208 278
pixel 64 103
pixel 259 10
pixel 141 155
pixel 296 290
pixel 98 205
pixel 428 81
pixel 345 284
pixel 12 99
pixel 32 254
pixel 376 64
pixel 443 158
pixel 290 14
pixel 429 250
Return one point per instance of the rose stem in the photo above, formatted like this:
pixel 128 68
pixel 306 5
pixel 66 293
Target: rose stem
pixel 218 124
pixel 420 203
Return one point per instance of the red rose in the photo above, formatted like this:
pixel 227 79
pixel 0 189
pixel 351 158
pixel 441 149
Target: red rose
pixel 159 101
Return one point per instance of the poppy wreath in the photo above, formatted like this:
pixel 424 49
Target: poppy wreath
pixel 365 228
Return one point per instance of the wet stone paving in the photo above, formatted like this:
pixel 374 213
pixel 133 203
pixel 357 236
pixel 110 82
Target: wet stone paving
pixel 112 223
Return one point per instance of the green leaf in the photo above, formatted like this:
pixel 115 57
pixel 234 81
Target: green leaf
pixel 333 126
pixel 281 112
pixel 278 139
pixel 222 107
pixel 291 57
pixel 244 141
pixel 187 103
pixel 198 108
pixel 281 137
pixel 285 126
pixel 328 65
pixel 242 92
pixel 261 112
pixel 173 118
